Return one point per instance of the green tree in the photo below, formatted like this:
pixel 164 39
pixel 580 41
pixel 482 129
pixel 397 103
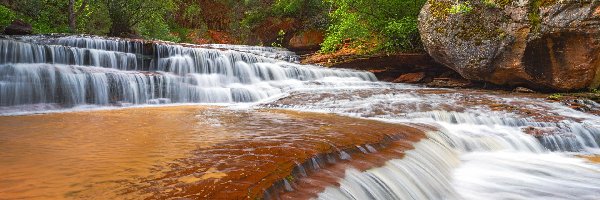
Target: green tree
pixel 128 15
pixel 75 12
pixel 376 25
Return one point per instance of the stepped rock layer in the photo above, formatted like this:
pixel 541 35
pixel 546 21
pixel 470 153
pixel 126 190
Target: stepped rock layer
pixel 68 71
pixel 541 44
pixel 177 151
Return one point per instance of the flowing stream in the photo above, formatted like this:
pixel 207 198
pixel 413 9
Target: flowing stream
pixel 482 144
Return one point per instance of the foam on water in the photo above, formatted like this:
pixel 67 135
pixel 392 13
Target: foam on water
pixel 80 70
pixel 478 153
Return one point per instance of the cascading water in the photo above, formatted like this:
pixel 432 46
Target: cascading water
pixel 477 152
pixel 486 145
pixel 73 70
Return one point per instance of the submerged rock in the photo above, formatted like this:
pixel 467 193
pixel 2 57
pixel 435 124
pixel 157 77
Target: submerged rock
pixel 541 44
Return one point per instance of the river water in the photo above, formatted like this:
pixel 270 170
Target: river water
pixel 89 117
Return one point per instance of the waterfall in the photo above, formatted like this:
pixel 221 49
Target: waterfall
pixel 476 153
pixel 79 70
pixel 463 161
pixel 423 173
pixel 435 170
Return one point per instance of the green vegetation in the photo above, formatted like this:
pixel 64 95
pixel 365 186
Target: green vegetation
pixel 280 38
pixel 371 26
pixel 555 96
pixel 44 15
pixel 439 9
pixel 534 16
pixel 374 25
pixel 99 17
pixel 461 8
pixel 6 16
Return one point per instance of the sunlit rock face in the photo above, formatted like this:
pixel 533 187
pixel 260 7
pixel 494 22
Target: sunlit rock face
pixel 540 44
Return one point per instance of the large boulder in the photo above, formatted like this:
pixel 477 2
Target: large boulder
pixel 309 40
pixel 18 27
pixel 543 44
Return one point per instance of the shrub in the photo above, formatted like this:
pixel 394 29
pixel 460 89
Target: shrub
pixel 377 25
pixel 401 34
pixel 6 16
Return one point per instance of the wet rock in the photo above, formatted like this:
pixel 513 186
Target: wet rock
pixel 541 44
pixel 540 131
pixel 523 90
pixel 18 27
pixel 385 67
pixel 450 83
pixel 307 41
pixel 416 77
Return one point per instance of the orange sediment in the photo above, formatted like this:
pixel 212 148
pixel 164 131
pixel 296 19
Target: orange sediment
pixel 184 151
pixel 594 158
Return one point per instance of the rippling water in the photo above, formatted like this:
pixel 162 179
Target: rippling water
pixel 484 147
pixel 191 151
pixel 279 130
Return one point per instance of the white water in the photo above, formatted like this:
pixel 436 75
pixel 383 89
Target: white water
pixel 478 153
pixel 71 71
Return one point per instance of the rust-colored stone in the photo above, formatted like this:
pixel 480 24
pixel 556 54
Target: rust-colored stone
pixel 410 78
pixel 559 50
pixel 307 41
pixel 172 152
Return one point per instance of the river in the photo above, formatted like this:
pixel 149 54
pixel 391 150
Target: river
pixel 87 117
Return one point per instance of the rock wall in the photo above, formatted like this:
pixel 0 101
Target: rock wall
pixel 543 44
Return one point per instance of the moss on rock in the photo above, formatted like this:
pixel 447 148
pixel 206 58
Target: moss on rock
pixel 439 9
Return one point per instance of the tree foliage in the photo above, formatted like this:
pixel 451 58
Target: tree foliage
pixel 379 25
pixel 6 16
pixel 371 25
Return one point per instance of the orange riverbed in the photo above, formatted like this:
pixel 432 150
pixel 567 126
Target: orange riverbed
pixel 179 151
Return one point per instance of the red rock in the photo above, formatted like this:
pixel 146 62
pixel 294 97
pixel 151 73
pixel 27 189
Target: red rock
pixel 560 51
pixel 308 40
pixel 221 37
pixel 416 77
pixel 268 31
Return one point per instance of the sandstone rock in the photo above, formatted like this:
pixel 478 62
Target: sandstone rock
pixel 545 44
pixel 18 27
pixel 416 77
pixel 385 67
pixel 307 40
pixel 220 37
pixel 268 31
pixel 450 83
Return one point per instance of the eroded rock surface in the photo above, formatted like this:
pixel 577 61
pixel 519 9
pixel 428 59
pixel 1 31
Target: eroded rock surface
pixel 542 44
